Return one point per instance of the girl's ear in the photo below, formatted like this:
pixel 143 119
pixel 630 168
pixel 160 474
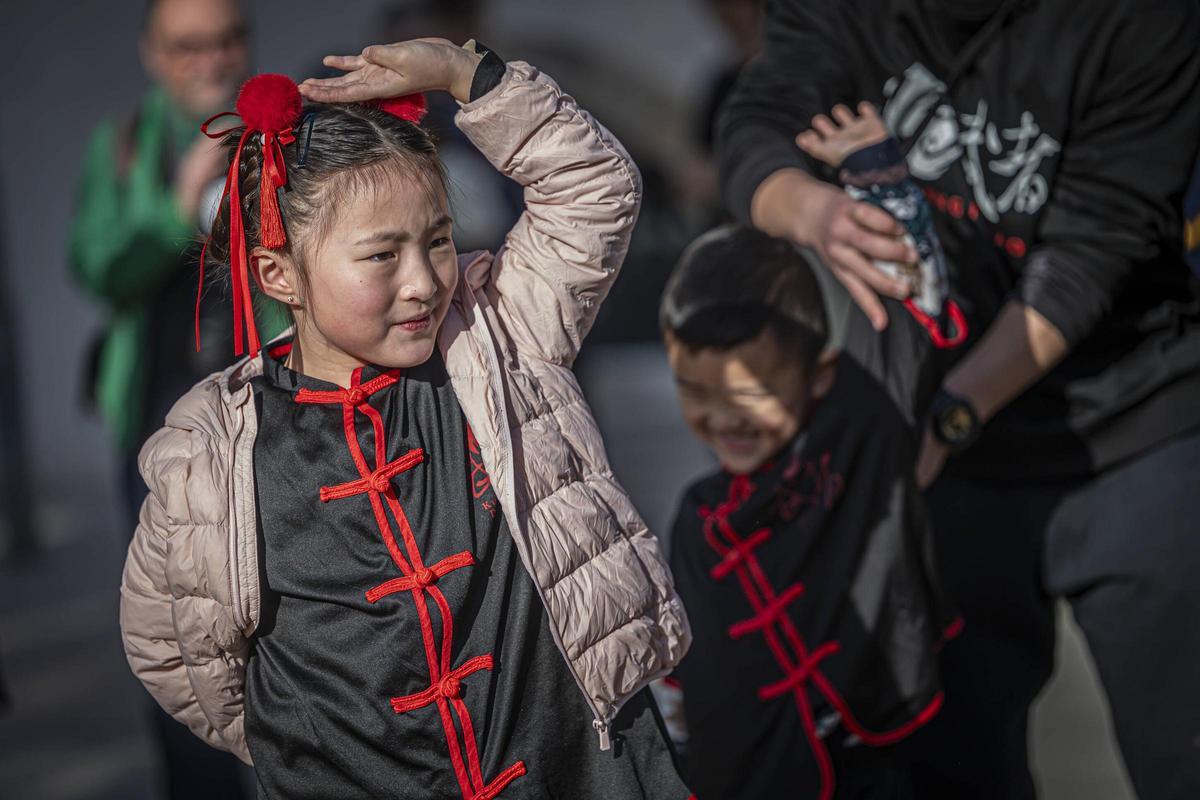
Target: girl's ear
pixel 276 274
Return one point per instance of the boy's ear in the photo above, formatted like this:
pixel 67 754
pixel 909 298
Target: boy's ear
pixel 824 373
pixel 276 274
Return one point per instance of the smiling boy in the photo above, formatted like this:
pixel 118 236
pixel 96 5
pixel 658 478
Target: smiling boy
pixel 804 562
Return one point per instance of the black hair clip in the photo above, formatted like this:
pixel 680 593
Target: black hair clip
pixel 306 121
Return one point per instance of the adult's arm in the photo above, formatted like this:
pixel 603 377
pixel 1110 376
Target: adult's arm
pixel 1117 197
pixel 1114 206
pixel 804 71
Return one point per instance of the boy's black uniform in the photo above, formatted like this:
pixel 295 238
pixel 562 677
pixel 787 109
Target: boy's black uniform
pixel 1054 140
pixel 816 566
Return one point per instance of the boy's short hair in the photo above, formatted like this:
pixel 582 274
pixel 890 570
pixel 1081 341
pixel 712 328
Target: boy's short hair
pixel 733 283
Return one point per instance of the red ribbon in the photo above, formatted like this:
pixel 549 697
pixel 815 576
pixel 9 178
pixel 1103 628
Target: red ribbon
pixel 272 235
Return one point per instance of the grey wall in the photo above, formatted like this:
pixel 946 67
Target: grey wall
pixel 70 64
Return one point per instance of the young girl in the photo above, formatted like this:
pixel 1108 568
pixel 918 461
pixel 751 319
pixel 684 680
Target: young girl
pixel 386 556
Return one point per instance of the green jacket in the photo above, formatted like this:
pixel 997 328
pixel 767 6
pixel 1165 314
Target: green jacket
pixel 126 241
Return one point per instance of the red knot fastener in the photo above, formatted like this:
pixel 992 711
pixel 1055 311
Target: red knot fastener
pixel 380 481
pixel 354 396
pixel 448 687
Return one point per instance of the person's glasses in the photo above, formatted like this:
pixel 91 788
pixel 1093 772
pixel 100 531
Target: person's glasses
pixel 189 47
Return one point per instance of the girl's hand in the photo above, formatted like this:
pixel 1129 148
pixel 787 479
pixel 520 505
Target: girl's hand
pixel 391 70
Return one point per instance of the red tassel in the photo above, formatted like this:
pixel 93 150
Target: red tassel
pixel 270 228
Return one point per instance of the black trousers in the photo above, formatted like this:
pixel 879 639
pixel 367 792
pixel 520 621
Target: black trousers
pixel 1124 549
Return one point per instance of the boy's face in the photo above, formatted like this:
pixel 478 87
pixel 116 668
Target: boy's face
pixel 748 402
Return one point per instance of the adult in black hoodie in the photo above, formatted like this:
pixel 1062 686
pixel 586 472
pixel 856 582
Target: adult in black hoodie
pixel 1055 140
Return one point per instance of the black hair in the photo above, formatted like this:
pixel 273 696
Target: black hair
pixel 338 149
pixel 735 282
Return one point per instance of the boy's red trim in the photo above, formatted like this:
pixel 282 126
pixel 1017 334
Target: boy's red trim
pixel 445 681
pixel 801 666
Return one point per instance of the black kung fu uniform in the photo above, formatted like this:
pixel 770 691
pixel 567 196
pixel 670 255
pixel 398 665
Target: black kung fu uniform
pixel 403 650
pixel 815 613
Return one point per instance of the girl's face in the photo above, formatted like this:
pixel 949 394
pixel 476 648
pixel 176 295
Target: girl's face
pixel 380 283
pixel 747 402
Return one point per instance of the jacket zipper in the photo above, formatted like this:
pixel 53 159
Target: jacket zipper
pixel 600 722
pixel 235 563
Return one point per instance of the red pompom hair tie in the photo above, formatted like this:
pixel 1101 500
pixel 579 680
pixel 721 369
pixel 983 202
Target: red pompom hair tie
pixel 411 107
pixel 269 105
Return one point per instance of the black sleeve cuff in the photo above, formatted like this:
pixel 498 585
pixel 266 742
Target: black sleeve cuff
pixel 874 157
pixel 488 73
pixel 751 155
pixel 1064 294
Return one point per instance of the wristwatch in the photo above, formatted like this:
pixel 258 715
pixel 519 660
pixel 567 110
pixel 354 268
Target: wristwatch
pixel 954 421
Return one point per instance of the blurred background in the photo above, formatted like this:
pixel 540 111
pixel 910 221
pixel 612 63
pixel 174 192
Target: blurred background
pixel 76 725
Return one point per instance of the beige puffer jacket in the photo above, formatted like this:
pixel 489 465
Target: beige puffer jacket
pixel 190 593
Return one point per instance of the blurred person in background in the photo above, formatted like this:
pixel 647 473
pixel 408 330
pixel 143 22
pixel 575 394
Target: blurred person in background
pixel 1054 141
pixel 741 20
pixel 132 247
pixel 140 202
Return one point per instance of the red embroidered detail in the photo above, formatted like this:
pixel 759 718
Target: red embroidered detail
pixel 801 666
pixel 481 482
pixel 808 483
pixel 445 682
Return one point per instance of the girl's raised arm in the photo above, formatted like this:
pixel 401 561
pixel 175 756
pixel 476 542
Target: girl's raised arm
pixel 582 190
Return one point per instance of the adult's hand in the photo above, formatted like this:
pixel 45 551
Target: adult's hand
pixel 848 235
pixel 202 163
pixel 391 70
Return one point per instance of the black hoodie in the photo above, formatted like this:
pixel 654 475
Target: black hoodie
pixel 1054 140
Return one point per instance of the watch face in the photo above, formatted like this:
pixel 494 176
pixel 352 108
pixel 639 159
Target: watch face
pixel 956 423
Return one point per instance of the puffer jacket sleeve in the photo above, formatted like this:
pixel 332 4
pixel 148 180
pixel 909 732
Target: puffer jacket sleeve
pixel 147 610
pixel 582 195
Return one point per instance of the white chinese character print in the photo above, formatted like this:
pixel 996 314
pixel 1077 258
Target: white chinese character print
pixel 980 145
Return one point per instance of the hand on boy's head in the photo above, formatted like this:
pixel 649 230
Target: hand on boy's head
pixel 391 70
pixel 847 234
